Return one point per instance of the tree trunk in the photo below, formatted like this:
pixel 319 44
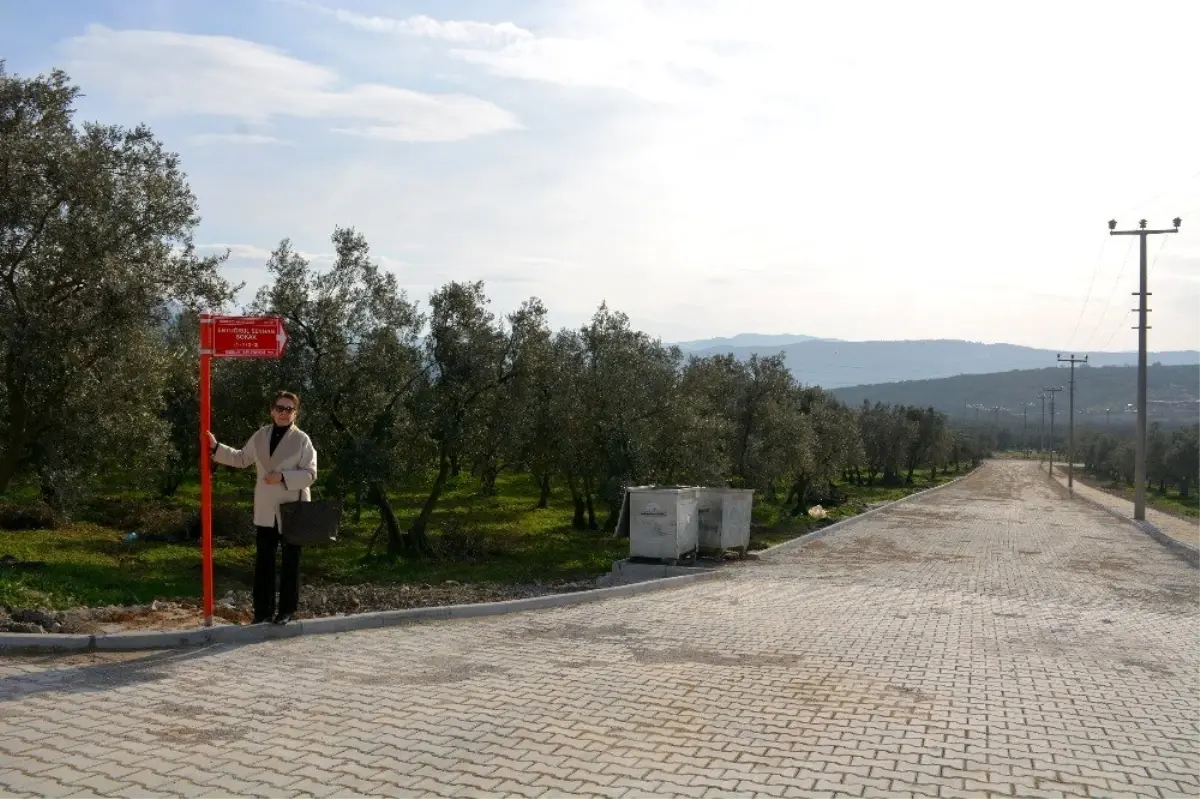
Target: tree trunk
pixel 487 481
pixel 591 506
pixel 46 488
pixel 8 467
pixel 358 501
pixel 377 496
pixel 1184 485
pixel 172 479
pixel 579 520
pixel 933 473
pixel 418 541
pixel 544 490
pixel 800 492
pixel 14 453
pixel 455 466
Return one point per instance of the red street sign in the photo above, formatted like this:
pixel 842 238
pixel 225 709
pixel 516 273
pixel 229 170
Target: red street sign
pixel 248 337
pixel 225 337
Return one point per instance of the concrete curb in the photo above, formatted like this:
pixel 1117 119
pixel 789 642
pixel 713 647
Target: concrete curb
pixel 836 526
pixel 12 643
pixel 1187 553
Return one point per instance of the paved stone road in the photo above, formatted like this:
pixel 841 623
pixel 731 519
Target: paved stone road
pixel 994 637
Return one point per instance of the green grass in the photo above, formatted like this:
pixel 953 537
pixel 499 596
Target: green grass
pixel 87 564
pixel 1168 502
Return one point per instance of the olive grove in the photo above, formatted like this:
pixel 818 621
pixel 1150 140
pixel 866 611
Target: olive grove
pixel 100 288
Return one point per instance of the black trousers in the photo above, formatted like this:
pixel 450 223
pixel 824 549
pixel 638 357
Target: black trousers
pixel 267 541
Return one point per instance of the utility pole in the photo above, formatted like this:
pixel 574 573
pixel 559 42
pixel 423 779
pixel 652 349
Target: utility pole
pixel 1052 390
pixel 1025 429
pixel 1042 433
pixel 1139 457
pixel 1071 436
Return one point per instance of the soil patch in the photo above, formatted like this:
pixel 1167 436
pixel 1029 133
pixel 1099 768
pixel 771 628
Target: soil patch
pixel 237 607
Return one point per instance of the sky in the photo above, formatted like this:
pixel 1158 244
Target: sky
pixel 710 167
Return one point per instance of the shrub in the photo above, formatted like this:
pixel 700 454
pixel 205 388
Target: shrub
pixel 27 517
pixel 232 524
pixel 460 544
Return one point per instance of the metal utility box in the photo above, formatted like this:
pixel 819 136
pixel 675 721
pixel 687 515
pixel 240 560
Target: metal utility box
pixel 662 522
pixel 724 518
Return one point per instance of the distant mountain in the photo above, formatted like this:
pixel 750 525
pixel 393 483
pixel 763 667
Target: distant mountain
pixel 1104 394
pixel 837 364
pixel 751 340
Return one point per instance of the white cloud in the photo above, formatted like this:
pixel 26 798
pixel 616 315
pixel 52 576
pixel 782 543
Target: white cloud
pixel 457 31
pixel 252 252
pixel 237 252
pixel 184 74
pixel 874 170
pixel 465 32
pixel 205 139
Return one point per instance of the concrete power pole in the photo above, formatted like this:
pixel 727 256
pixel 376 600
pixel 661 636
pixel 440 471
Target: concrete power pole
pixel 1071 436
pixel 1025 429
pixel 1139 458
pixel 1042 433
pixel 1052 390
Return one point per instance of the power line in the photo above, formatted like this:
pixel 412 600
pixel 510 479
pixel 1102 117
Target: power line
pixel 1111 294
pixel 1121 324
pixel 1088 296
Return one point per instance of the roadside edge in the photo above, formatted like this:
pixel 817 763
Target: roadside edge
pixel 837 526
pixel 50 643
pixel 1174 545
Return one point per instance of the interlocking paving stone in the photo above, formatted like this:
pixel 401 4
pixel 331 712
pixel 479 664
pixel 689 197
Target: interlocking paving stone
pixel 993 637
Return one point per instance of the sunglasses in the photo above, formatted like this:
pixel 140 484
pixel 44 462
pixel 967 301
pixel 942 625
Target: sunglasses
pixel 284 408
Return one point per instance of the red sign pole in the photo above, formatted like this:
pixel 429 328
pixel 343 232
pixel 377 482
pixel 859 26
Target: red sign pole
pixel 225 337
pixel 206 349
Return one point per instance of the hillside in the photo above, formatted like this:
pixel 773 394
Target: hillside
pixel 1172 390
pixel 837 364
pixel 749 340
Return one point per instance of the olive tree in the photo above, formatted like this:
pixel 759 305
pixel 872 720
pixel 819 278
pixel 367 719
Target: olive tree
pixel 96 226
pixel 353 356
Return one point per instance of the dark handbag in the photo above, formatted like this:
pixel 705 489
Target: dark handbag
pixel 310 524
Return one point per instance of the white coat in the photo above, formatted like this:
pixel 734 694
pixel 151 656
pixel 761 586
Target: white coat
pixel 295 458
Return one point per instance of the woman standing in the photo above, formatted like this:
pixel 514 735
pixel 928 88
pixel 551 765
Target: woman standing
pixel 287 466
